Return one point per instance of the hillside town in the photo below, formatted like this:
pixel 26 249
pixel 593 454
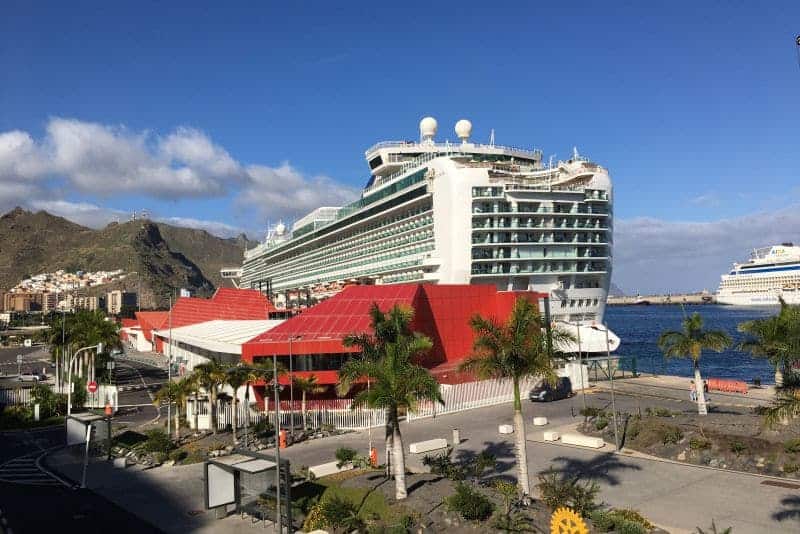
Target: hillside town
pixel 67 291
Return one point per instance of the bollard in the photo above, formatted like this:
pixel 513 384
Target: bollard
pixel 456 437
pixel 36 412
pixel 373 457
pixel 282 439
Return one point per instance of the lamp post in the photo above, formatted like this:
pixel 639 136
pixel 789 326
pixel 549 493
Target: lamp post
pixel 613 401
pixel 169 367
pixel 99 348
pixel 276 387
pixel 291 379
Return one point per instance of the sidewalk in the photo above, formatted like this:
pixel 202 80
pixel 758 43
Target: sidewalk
pixel 171 498
pixel 677 388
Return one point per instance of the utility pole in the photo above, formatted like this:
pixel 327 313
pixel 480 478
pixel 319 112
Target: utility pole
pixel 580 362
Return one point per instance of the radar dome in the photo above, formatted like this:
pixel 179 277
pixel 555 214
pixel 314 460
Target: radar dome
pixel 427 128
pixel 280 228
pixel 463 130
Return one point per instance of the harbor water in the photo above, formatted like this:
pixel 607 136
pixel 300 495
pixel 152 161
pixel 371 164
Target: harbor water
pixel 639 327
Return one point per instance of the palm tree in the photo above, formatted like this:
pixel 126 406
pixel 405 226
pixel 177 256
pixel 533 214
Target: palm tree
pixel 243 375
pixel 776 338
pixel 515 350
pixel 386 328
pixel 307 386
pixel 397 383
pixel 690 342
pixel 175 393
pixel 210 376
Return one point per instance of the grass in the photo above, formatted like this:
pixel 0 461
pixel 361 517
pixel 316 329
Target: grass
pixel 371 504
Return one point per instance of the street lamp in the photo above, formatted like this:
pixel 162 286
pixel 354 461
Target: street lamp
pixel 291 379
pixel 99 348
pixel 276 387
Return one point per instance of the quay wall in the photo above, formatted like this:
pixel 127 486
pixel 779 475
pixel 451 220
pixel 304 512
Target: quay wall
pixel 683 298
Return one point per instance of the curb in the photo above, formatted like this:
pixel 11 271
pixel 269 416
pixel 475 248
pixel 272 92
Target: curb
pixel 42 465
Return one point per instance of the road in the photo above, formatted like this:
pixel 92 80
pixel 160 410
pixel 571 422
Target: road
pixel 137 383
pixel 35 359
pixel 679 497
pixel 31 501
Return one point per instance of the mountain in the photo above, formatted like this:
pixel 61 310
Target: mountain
pixel 158 257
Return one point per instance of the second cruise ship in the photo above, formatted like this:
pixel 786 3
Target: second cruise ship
pixel 457 213
pixel 771 273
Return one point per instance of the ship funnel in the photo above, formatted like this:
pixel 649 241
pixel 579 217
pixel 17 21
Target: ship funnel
pixel 464 130
pixel 427 130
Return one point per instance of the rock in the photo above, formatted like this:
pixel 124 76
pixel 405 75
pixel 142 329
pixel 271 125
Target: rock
pixel 229 448
pixel 682 456
pixel 169 463
pixel 713 462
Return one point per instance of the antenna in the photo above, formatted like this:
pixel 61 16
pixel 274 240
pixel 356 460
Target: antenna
pixel 491 138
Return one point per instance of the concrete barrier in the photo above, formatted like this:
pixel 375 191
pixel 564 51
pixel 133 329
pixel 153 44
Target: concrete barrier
pixel 427 446
pixel 551 435
pixel 582 441
pixel 539 421
pixel 121 463
pixel 330 468
pixel 505 429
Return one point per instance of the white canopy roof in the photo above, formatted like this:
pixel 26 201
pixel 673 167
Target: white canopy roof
pixel 219 335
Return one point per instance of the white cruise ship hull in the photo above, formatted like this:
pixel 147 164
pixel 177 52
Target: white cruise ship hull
pixel 771 298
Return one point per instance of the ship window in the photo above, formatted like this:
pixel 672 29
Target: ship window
pixel 375 162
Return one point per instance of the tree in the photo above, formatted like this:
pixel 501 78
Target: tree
pixel 243 375
pixel 307 386
pixel 210 376
pixel 516 349
pixel 176 393
pixel 776 338
pixel 386 328
pixel 83 328
pixel 397 383
pixel 690 343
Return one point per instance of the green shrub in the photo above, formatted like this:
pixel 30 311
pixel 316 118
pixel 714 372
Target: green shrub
pixel 157 442
pixel 630 527
pixel 469 503
pixel 792 446
pixel 15 416
pixel 178 455
pixel 442 464
pixel 737 447
pixel 345 455
pixel 634 516
pixel 591 411
pixel 485 460
pixel 791 467
pixel 340 514
pixel 699 444
pixel 600 423
pixel 671 434
pixel 558 490
pixel 50 403
pixel 263 429
pixel 602 520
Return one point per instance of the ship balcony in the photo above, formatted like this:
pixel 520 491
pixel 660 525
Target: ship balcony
pixel 543 211
pixel 549 257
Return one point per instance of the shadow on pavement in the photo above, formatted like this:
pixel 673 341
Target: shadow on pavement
pixel 791 509
pixel 601 468
pixel 503 452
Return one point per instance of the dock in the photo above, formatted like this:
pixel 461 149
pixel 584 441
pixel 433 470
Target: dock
pixel 681 298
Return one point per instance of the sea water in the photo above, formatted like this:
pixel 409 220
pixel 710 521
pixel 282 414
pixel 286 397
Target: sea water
pixel 639 327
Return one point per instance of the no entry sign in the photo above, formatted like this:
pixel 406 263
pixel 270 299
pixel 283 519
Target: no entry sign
pixel 91 387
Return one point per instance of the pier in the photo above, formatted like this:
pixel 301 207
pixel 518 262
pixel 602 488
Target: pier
pixel 681 298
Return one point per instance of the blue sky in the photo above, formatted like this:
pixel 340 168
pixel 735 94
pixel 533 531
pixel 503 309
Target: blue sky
pixel 226 116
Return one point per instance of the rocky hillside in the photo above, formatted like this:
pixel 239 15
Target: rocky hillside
pixel 163 257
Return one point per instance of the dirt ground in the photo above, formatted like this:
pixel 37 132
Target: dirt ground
pixel 727 439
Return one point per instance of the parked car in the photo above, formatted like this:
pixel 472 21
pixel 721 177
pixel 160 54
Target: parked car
pixel 117 352
pixel 31 377
pixel 546 393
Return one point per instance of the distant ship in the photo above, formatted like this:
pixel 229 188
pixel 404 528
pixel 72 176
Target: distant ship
pixel 456 213
pixel 771 273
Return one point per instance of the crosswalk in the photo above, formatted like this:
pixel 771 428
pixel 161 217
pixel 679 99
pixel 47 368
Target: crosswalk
pixel 26 470
pixel 153 386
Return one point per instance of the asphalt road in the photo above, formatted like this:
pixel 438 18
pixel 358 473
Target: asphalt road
pixel 34 360
pixel 137 382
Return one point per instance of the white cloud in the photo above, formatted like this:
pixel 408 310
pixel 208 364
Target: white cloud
pixel 657 256
pixel 83 213
pixel 212 227
pixel 284 192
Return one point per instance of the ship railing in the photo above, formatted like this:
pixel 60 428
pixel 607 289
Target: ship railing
pixel 451 147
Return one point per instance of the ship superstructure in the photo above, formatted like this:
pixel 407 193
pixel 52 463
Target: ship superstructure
pixel 456 213
pixel 772 273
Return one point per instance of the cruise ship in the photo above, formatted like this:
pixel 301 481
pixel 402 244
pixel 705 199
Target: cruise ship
pixel 456 213
pixel 771 273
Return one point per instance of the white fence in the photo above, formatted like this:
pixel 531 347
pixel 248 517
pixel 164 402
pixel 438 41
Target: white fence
pixel 318 414
pixel 470 395
pixel 15 396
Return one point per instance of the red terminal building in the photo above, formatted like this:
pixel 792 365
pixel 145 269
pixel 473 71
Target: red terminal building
pixel 442 312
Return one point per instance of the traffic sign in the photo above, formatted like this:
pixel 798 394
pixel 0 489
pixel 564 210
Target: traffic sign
pixel 91 387
pixel 19 358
